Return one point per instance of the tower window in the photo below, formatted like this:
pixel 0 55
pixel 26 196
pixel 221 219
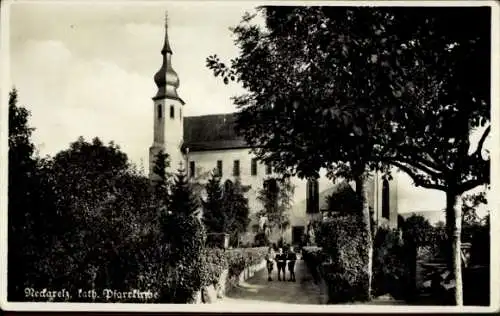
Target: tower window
pixel 172 114
pixel 253 167
pixel 192 169
pixel 219 168
pixel 385 199
pixel 159 111
pixel 269 168
pixel 312 196
pixel 236 168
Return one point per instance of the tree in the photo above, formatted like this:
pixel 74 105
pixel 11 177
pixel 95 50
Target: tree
pixel 113 216
pixel 22 200
pixel 470 218
pixel 182 200
pixel 476 230
pixel 288 105
pixel 163 178
pixel 95 191
pixel 276 197
pixel 417 232
pixel 226 208
pixel 444 97
pixel 235 209
pixel 213 213
pixel 417 80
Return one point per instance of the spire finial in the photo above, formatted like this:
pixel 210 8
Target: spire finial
pixel 166 45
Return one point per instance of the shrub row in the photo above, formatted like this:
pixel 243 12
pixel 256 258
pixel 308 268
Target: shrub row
pixel 239 259
pixel 216 260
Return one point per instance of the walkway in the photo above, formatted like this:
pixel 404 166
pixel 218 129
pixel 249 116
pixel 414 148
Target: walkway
pixel 258 289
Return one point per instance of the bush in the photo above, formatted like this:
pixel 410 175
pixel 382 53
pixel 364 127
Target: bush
pixel 214 262
pixel 239 259
pixel 313 257
pixel 261 240
pixel 216 240
pixel 345 242
pixel 390 268
pixel 480 248
pixel 185 236
pixel 476 286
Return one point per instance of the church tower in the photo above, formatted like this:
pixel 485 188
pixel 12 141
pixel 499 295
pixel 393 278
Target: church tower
pixel 167 109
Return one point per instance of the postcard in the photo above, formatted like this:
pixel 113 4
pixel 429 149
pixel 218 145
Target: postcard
pixel 249 156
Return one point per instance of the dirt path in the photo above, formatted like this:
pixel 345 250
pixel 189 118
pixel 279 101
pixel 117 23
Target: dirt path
pixel 258 289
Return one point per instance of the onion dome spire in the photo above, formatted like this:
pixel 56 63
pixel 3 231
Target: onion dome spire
pixel 166 78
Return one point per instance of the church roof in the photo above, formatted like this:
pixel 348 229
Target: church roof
pixel 212 132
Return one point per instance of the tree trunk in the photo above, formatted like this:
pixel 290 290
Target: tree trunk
pixel 361 190
pixel 454 227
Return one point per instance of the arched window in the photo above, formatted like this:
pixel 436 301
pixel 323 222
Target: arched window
pixel 172 114
pixel 159 112
pixel 385 199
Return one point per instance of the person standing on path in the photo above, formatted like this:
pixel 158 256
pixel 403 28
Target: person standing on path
pixel 281 263
pixel 291 257
pixel 270 262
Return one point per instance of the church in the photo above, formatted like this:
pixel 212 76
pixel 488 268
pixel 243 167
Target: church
pixel 205 143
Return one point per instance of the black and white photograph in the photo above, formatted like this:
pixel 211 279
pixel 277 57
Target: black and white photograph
pixel 249 156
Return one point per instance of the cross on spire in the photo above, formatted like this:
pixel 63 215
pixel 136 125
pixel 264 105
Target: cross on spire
pixel 166 18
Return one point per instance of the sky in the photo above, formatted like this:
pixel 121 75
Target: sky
pixel 87 69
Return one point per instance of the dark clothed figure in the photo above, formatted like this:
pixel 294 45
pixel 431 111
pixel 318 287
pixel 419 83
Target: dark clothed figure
pixel 281 263
pixel 291 257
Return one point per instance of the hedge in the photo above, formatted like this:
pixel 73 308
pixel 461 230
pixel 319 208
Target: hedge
pixel 390 264
pixel 344 241
pixel 214 262
pixel 239 259
pixel 235 260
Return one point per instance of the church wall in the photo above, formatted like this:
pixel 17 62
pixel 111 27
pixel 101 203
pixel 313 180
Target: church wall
pixel 206 161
